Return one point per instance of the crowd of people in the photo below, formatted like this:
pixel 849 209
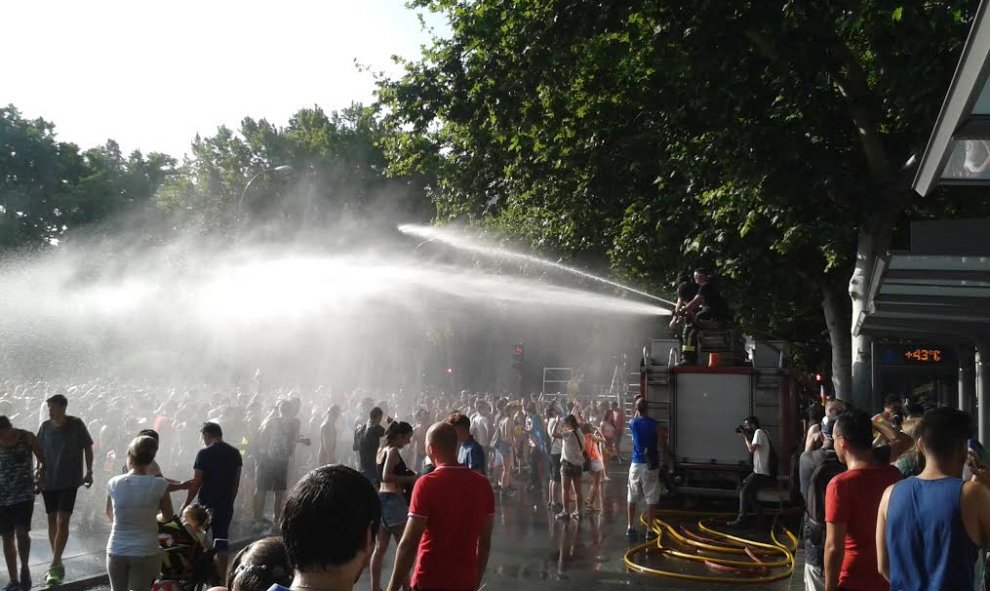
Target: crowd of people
pixel 213 461
pixel 887 505
pixel 899 500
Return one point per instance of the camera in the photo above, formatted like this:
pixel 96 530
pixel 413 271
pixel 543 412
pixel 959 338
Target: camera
pixel 740 429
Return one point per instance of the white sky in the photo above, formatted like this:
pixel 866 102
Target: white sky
pixel 152 74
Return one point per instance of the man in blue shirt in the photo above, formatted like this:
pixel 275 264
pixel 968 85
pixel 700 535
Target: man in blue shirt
pixel 931 526
pixel 644 467
pixel 216 479
pixel 469 452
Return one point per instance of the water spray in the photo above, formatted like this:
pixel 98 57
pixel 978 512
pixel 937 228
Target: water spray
pixel 461 242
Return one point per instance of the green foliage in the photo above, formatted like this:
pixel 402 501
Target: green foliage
pixel 758 137
pixel 48 187
pixel 338 168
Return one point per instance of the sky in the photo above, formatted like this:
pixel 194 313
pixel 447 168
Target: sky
pixel 150 75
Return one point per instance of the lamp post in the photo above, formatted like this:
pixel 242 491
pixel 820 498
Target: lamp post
pixel 283 169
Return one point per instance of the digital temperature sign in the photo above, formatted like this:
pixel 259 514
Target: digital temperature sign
pixel 923 355
pixel 915 354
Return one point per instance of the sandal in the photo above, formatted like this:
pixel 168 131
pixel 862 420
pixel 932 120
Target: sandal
pixel 55 575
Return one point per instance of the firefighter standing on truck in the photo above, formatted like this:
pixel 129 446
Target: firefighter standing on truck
pixel 707 310
pixel 687 289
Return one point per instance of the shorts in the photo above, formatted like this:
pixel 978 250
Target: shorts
pixel 569 469
pixel 395 510
pixel 272 475
pixel 503 448
pixel 62 500
pixel 555 467
pixel 597 466
pixel 643 484
pixel 16 517
pixel 220 526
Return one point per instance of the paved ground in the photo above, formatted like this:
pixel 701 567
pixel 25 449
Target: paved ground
pixel 533 551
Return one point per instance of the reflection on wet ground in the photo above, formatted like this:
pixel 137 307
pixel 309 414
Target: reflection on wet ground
pixel 532 550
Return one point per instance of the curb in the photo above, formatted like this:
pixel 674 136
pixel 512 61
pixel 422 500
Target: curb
pixel 104 579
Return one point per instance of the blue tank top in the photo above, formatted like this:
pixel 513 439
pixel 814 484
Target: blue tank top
pixel 927 544
pixel 644 436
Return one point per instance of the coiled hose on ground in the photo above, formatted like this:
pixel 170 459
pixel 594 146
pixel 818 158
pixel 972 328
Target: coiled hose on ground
pixel 739 560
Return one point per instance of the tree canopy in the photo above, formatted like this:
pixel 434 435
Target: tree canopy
pixel 48 186
pixel 766 139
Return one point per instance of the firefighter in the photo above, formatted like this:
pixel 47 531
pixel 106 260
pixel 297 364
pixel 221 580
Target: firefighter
pixel 707 310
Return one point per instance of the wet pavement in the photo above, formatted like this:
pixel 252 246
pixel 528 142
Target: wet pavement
pixel 533 551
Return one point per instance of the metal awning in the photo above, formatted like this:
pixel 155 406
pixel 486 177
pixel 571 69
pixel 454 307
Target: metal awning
pixel 928 295
pixel 958 150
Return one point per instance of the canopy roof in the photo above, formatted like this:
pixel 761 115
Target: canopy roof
pixel 958 151
pixel 924 296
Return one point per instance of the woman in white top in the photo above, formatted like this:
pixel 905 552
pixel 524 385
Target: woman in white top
pixel 554 424
pixel 571 467
pixel 134 501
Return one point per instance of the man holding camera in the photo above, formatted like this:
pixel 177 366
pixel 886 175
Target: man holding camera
pixel 758 445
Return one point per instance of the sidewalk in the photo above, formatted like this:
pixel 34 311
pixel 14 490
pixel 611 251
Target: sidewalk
pixel 85 557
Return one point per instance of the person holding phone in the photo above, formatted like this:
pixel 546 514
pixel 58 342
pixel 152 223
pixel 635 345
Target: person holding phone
pixel 930 527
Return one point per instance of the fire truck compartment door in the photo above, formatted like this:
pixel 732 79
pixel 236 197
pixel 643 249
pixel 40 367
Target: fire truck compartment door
pixel 708 409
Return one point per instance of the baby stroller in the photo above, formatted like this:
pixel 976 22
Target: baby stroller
pixel 186 564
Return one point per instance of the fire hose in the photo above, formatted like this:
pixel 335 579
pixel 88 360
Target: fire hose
pixel 751 562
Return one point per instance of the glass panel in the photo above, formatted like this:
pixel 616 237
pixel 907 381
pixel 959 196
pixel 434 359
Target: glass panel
pixel 982 106
pixel 970 160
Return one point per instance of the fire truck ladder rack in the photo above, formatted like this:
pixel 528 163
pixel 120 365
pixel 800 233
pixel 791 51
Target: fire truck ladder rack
pixel 556 378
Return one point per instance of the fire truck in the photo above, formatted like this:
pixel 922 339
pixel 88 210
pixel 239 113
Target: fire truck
pixel 699 407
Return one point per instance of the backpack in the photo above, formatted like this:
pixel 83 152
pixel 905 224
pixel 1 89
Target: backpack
pixel 586 466
pixel 815 508
pixel 359 437
pixel 773 462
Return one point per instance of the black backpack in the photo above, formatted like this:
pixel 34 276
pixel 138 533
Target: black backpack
pixel 815 516
pixel 773 462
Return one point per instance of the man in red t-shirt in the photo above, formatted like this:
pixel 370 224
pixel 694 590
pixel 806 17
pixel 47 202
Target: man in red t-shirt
pixel 451 515
pixel 852 500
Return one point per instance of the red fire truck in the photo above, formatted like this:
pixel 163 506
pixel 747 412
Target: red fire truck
pixel 700 408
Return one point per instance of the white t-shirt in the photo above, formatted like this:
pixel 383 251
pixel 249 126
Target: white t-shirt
pixel 555 443
pixel 572 448
pixel 136 500
pixel 480 430
pixel 761 457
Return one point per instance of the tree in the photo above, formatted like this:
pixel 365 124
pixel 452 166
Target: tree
pixel 766 138
pixel 339 168
pixel 48 187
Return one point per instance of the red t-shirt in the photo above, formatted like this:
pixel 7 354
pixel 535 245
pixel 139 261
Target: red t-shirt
pixel 455 501
pixel 853 498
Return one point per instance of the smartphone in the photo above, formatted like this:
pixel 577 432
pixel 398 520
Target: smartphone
pixel 977 449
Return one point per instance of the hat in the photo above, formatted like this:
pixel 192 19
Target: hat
pixel 828 424
pixel 59 400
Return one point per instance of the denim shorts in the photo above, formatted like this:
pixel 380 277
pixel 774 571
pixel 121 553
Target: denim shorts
pixel 395 510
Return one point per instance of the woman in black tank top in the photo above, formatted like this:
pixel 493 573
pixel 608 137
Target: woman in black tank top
pixel 396 483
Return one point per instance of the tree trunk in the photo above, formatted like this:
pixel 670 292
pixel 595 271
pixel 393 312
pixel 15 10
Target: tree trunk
pixel 836 308
pixel 873 240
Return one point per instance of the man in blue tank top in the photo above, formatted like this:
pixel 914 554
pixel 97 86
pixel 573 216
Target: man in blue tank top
pixel 644 467
pixel 930 526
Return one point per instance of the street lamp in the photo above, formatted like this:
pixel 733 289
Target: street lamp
pixel 283 169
